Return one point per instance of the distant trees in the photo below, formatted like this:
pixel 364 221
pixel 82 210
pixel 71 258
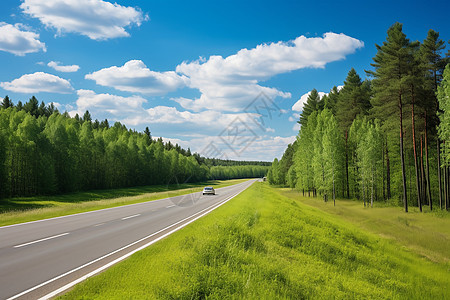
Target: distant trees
pixel 231 172
pixel 45 152
pixel 377 140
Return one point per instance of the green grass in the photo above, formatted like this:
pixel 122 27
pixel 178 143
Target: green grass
pixel 19 210
pixel 264 245
pixel 427 233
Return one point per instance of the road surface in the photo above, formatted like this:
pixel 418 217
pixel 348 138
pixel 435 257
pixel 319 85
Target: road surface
pixel 44 258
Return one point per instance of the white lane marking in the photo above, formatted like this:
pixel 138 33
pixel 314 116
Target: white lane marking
pixel 69 285
pixel 100 210
pixel 99 224
pixel 133 216
pixel 41 240
pixel 170 206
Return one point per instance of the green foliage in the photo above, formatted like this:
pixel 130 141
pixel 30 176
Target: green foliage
pixel 229 172
pixel 353 100
pixel 367 158
pixel 313 103
pixel 443 95
pixel 42 153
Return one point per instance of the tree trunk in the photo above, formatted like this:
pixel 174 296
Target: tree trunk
pixel 384 188
pixel 446 187
pixel 422 171
pixel 334 190
pixel 439 171
pixel 445 183
pixel 427 177
pixel 388 173
pixel 371 192
pixel 346 163
pixel 405 197
pixel 364 193
pixel 419 192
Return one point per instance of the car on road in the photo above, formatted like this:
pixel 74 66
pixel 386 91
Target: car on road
pixel 209 190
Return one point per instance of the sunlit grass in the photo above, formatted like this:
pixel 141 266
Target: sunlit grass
pixel 426 233
pixel 263 245
pixel 19 210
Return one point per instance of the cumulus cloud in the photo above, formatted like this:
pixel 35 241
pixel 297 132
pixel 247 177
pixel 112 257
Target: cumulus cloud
pixel 187 123
pixel 16 39
pixel 38 82
pixel 135 77
pixel 107 105
pixel 231 83
pixel 96 19
pixel 187 128
pixel 58 67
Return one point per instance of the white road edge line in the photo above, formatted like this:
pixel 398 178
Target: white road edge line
pixel 133 216
pixel 69 285
pixel 99 210
pixel 41 240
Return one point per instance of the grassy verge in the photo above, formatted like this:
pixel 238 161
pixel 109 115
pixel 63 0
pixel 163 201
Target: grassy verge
pixel 19 210
pixel 264 245
pixel 427 233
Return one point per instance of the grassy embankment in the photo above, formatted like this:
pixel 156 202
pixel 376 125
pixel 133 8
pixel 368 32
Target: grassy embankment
pixel 427 233
pixel 26 209
pixel 264 245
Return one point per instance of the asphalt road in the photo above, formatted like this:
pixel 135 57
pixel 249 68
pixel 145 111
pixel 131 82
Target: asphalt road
pixel 43 258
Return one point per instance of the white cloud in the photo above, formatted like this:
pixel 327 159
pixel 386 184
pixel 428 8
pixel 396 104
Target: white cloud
pixel 108 106
pixel 135 77
pixel 96 19
pixel 231 83
pixel 296 127
pixel 56 65
pixel 298 106
pixel 187 123
pixel 17 41
pixel 189 129
pixel 38 82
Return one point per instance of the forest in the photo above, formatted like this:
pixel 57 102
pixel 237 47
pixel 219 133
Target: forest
pixel 382 139
pixel 44 152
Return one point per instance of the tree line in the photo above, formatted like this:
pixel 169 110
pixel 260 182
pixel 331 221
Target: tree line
pixel 382 139
pixel 43 151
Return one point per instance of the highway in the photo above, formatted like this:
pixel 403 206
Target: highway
pixel 42 259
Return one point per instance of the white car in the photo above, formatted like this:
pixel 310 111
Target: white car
pixel 209 190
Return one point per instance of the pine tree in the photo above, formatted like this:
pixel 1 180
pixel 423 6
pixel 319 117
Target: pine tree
pixel 313 103
pixel 32 106
pixel 7 102
pixel 148 134
pixel 433 65
pixel 391 71
pixel 330 100
pixel 87 117
pixel 353 100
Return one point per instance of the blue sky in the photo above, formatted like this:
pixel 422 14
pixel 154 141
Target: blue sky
pixel 220 77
